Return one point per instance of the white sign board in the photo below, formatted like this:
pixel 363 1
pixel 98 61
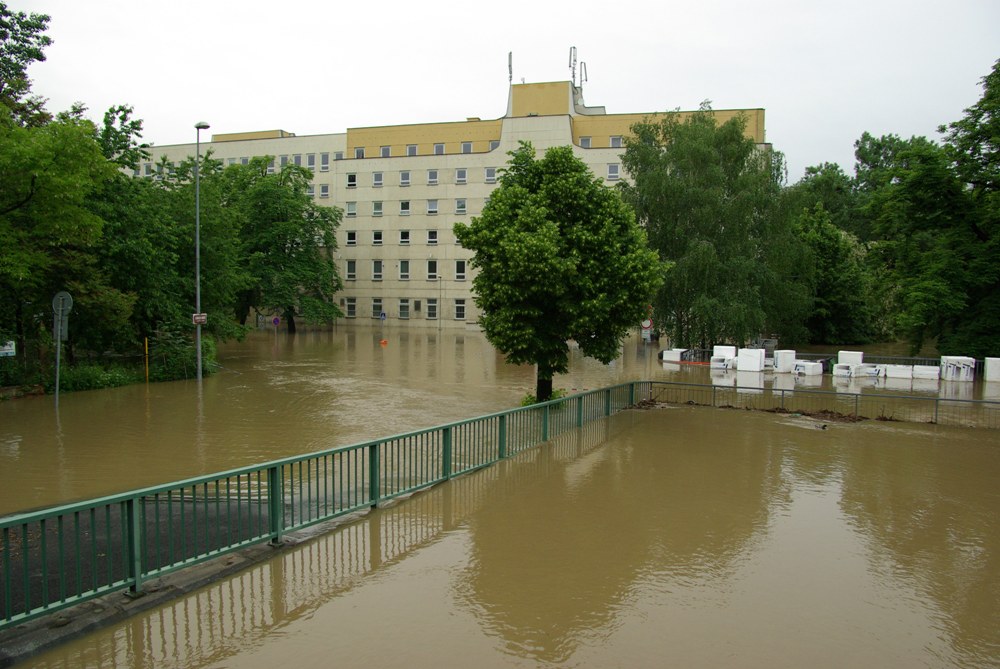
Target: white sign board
pixel 8 349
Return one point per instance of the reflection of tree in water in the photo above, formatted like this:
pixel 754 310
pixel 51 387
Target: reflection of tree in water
pixel 682 502
pixel 927 500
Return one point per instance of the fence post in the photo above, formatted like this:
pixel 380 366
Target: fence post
pixel 373 475
pixel 446 453
pixel 579 411
pixel 713 395
pixel 545 423
pixel 857 398
pixel 502 437
pixel 134 548
pixel 607 401
pixel 937 402
pixel 631 394
pixel 275 504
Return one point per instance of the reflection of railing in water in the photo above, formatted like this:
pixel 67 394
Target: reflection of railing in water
pixel 220 620
pixel 57 557
pixel 908 408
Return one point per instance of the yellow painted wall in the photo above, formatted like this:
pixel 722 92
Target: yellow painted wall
pixel 259 134
pixel 601 128
pixel 425 136
pixel 548 99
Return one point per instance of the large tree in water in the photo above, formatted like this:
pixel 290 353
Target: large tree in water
pixel 559 257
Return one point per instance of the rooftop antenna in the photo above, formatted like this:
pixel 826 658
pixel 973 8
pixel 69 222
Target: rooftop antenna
pixel 510 67
pixel 572 62
pixel 583 74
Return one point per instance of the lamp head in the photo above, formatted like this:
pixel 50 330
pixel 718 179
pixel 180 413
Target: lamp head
pixel 201 125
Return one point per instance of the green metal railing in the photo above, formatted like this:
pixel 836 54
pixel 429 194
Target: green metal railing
pixel 61 556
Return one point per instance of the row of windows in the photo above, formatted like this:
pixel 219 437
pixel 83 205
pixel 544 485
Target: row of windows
pixel 433 177
pixel 377 236
pixel 378 208
pixel 614 142
pixel 405 308
pixel 403 270
pixel 413 149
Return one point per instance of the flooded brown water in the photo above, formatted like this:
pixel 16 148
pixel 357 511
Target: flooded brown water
pixel 680 536
pixel 689 537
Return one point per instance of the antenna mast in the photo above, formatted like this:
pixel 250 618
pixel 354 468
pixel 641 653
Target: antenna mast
pixel 510 67
pixel 572 62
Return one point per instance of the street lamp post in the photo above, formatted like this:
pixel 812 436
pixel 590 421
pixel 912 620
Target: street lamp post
pixel 198 318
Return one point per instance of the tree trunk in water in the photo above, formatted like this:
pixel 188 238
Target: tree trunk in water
pixel 543 388
pixel 290 320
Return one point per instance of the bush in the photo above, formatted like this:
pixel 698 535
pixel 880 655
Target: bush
pixel 529 399
pixel 172 356
pixel 90 376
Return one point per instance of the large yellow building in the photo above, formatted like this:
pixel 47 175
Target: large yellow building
pixel 403 187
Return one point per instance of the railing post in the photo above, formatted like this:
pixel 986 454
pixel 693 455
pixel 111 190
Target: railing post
pixel 937 403
pixel 631 394
pixel 373 475
pixel 607 401
pixel 502 438
pixel 857 397
pixel 275 504
pixel 545 423
pixel 579 411
pixel 713 395
pixel 446 453
pixel 134 548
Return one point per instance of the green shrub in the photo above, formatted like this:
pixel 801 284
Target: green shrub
pixel 92 376
pixel 172 356
pixel 529 399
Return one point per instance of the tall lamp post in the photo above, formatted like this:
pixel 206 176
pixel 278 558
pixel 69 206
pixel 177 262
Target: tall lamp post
pixel 198 317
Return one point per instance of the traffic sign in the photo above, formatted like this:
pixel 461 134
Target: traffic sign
pixel 275 321
pixel 382 315
pixel 199 319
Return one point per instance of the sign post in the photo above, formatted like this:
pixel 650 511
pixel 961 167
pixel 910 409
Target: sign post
pixel 62 304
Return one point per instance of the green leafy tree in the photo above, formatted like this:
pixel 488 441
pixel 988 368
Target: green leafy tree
pixel 559 257
pixel 22 42
pixel 286 243
pixel 709 199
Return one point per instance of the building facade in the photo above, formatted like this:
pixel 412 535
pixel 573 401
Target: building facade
pixel 402 188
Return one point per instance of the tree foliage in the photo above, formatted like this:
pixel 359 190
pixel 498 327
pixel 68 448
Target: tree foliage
pixel 22 42
pixel 560 257
pixel 709 199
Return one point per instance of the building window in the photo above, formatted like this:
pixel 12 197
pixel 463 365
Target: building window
pixel 311 161
pixel 460 310
pixel 432 237
pixel 385 151
pixel 616 141
pixel 404 208
pixel 466 147
pixel 351 273
pixel 376 270
pixel 359 152
pixel 230 161
pixel 324 190
pixel 432 308
pixel 439 149
pixel 585 142
pixel 432 270
pixel 491 175
pixel 404 307
pixel 494 144
pixel 404 178
pixel 377 208
pixel 376 307
pixel 459 270
pixel 351 307
pixel 377 179
pixel 404 237
pixel 376 238
pixel 460 206
pixel 324 162
pixel 352 237
pixel 338 155
pixel 283 160
pixel 432 177
pixel 411 149
pixel 612 171
pixel 296 160
pixel 352 180
pixel 270 165
pixel 310 190
pixel 352 209
pixel 432 207
pixel 461 175
pixel 404 270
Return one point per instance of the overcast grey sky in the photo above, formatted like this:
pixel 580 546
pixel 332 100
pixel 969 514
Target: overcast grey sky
pixel 824 71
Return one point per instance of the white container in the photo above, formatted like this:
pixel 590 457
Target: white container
pixel 750 360
pixel 843 369
pixel 784 361
pixel 991 370
pixel 958 368
pixel 672 354
pixel 850 357
pixel 899 371
pixel 724 351
pixel 807 368
pixel 869 371
pixel 926 372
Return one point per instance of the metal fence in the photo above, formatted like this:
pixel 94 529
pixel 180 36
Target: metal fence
pixel 852 406
pixel 61 556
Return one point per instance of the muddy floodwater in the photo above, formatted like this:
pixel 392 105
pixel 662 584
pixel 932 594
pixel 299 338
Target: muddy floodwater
pixel 672 536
